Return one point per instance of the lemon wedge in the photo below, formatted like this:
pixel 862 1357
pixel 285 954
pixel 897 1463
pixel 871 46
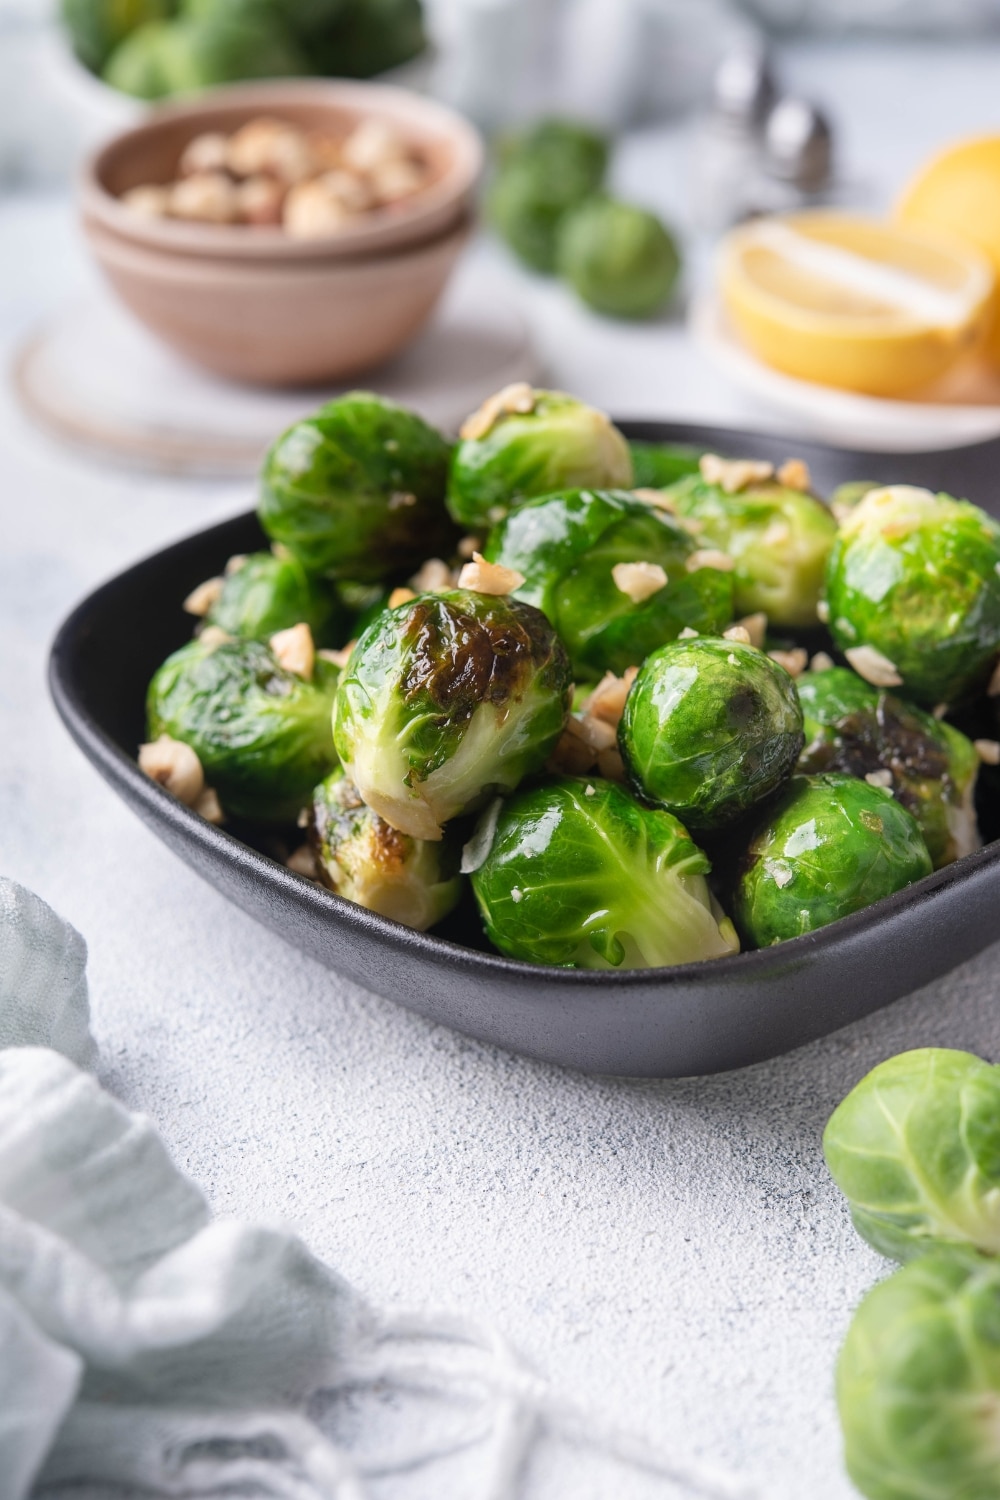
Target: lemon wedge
pixel 850 302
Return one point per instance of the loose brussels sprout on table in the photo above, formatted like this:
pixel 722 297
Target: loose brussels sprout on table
pixel 524 442
pixel 618 258
pixel 355 491
pixel 580 874
pixel 831 845
pixel 544 172
pixel 446 700
pixel 929 766
pixel 263 593
pixel 913 593
pixel 710 727
pixel 616 577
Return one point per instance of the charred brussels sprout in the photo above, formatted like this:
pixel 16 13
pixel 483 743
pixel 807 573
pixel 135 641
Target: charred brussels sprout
pixel 545 171
pixel 710 727
pixel 913 593
pixel 97 26
pixel 618 258
pixel 356 490
pixel 830 846
pixel 262 734
pixel 918 1382
pixel 616 577
pixel 445 700
pixel 263 594
pixel 915 1148
pixel 365 860
pixel 657 465
pixel 929 766
pixel 581 875
pixel 523 443
pixel 779 540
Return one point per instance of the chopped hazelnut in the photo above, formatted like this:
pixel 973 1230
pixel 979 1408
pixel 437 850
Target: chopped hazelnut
pixel 295 650
pixel 794 661
pixel 468 545
pixel 822 611
pixel 400 596
pixel 572 755
pixel 690 634
pixel 607 701
pixel 873 666
pixel 794 475
pixel 734 474
pixel 988 751
pixel 149 201
pixel 394 180
pixel 202 599
pixel 518 398
pixel 596 733
pixel 209 807
pixel 611 765
pixel 311 211
pixel 738 633
pixel 709 557
pixel 489 578
pixel 371 144
pixel 353 192
pixel 259 200
pixel 755 626
pixel 207 197
pixel 821 662
pixel 214 635
pixel 882 778
pixel 658 499
pixel 270 146
pixel 639 580
pixel 175 766
pixel 235 563
pixel 435 577
pixel 208 152
pixel 338 658
pixel 303 861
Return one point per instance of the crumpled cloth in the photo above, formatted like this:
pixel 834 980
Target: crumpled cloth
pixel 43 982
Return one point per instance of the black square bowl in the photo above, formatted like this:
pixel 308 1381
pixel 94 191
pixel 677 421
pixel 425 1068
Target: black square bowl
pixel 661 1023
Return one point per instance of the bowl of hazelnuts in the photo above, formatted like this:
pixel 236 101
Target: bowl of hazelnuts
pixel 284 233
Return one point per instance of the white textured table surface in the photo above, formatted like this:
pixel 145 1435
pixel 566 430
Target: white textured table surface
pixel 672 1254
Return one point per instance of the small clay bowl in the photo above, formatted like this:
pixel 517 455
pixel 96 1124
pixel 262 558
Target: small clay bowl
pixel 281 323
pixel 150 153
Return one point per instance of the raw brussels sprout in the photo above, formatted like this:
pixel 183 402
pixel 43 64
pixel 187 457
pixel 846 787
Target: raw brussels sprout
pixel 913 592
pixel 581 875
pixel 570 548
pixel 368 37
pixel 830 846
pixel 138 65
pixel 779 538
pixel 197 52
pixel 915 1148
pixel 918 1382
pixel 447 699
pixel 710 727
pixel 265 594
pixel 97 26
pixel 657 465
pixel 618 258
pixel 356 490
pixel 538 443
pixel 262 734
pixel 545 171
pixel 931 767
pixel 365 860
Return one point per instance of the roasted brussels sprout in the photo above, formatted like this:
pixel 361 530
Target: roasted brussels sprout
pixel 262 594
pixel 913 593
pixel 447 699
pixel 581 875
pixel 368 37
pixel 356 490
pixel 929 766
pixel 616 577
pixel 197 52
pixel 830 846
pixel 366 860
pixel 710 727
pixel 918 1382
pixel 657 465
pixel 262 734
pixel 618 258
pixel 778 538
pixel 545 171
pixel 524 442
pixel 915 1148
pixel 97 26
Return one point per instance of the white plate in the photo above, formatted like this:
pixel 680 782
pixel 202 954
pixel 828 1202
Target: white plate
pixel 964 408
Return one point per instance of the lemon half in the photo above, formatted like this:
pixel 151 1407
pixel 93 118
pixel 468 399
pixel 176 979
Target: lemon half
pixel 850 302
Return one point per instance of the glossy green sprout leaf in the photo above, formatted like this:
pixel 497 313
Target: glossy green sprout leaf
pixel 779 539
pixel 356 490
pixel 581 875
pixel 915 1148
pixel 618 258
pixel 447 700
pixel 918 1382
pixel 532 444
pixel 913 593
pixel 261 733
pixel 263 594
pixel 830 845
pixel 568 547
pixel 365 860
pixel 657 465
pixel 544 171
pixel 710 727
pixel 929 766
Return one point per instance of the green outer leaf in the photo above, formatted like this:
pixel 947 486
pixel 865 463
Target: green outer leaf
pixel 619 258
pixel 267 594
pixel 657 465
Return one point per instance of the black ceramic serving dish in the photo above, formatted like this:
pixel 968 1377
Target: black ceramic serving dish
pixel 697 1018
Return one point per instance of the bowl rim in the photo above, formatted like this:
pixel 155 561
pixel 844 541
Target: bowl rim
pixel 446 198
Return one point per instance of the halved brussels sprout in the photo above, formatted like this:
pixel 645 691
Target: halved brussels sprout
pixel 918 1382
pixel 364 859
pixel 915 1148
pixel 523 443
pixel 657 465
pixel 710 727
pixel 581 875
pixel 831 845
pixel 262 594
pixel 929 766
pixel 545 170
pixel 913 593
pixel 446 700
pixel 261 733
pixel 619 258
pixel 779 540
pixel 616 577
pixel 356 491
